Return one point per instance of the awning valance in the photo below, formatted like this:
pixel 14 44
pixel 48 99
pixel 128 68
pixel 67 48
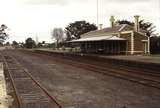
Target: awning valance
pixel 98 38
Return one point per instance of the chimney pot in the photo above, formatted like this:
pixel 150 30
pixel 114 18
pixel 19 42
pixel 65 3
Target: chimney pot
pixel 112 20
pixel 136 25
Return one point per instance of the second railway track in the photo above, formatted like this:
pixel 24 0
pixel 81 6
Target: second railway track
pixel 30 94
pixel 141 76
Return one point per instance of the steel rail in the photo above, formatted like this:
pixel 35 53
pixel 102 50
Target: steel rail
pixel 110 70
pixel 12 81
pixel 36 82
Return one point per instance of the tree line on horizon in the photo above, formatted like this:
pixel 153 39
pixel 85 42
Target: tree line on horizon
pixel 76 29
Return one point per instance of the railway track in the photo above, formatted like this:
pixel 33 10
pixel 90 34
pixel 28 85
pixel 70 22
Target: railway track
pixel 29 92
pixel 141 76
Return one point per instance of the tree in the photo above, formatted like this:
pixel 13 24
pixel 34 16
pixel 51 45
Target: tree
pixel 155 44
pixel 3 34
pixel 58 35
pixel 74 30
pixel 30 43
pixel 119 22
pixel 15 44
pixel 147 27
pixel 7 43
pixel 43 42
pixel 39 45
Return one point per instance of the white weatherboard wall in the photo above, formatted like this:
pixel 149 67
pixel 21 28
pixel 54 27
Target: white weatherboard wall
pixel 4 100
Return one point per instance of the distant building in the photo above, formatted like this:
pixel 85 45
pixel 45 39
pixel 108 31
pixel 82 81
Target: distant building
pixel 116 39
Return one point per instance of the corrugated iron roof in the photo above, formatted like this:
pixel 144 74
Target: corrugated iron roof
pixel 113 29
pixel 108 30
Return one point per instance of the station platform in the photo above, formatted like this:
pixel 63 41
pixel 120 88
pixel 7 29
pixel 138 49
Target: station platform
pixel 142 61
pixel 138 58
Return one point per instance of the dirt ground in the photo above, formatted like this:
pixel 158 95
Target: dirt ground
pixel 79 88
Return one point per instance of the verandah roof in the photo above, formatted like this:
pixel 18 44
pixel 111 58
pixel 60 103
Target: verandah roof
pixel 98 38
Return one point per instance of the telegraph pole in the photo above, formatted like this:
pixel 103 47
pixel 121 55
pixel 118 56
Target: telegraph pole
pixel 97 13
pixel 37 40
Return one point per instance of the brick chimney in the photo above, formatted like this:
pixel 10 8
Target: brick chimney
pixel 136 25
pixel 112 21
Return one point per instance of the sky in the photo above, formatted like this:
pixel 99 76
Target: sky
pixel 36 18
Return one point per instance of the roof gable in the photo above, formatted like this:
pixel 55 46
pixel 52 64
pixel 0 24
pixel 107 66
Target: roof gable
pixel 127 28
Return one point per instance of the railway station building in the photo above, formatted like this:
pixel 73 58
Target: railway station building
pixel 116 39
